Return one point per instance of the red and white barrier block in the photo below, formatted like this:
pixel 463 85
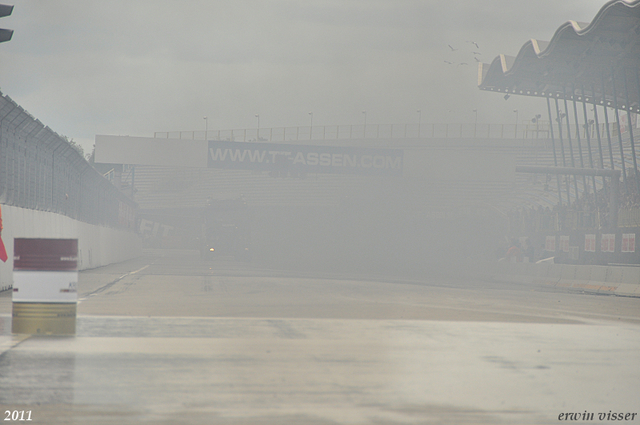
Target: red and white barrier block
pixel 45 286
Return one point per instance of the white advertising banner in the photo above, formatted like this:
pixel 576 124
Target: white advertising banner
pixel 550 243
pixel 590 243
pixel 628 242
pixel 608 242
pixel 564 243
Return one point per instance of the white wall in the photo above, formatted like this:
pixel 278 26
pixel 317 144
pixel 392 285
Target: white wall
pixel 97 245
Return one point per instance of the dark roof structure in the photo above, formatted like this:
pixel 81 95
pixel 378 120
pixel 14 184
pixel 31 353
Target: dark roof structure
pixel 597 62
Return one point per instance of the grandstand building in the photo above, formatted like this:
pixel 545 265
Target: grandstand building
pixel 589 74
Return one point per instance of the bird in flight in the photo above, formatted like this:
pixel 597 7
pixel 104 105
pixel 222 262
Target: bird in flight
pixel 452 49
pixel 474 43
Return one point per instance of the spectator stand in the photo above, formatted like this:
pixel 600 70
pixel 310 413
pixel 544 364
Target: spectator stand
pixel 589 74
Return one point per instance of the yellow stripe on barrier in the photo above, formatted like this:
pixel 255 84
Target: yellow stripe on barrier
pixel 44 318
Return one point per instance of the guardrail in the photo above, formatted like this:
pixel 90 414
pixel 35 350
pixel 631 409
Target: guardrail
pixel 614 279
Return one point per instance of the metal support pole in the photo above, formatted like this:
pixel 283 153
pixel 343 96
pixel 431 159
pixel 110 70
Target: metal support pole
pixel 613 202
pixel 555 156
pixel 573 161
pixel 593 179
pixel 575 117
pixel 633 145
pixel 609 189
pixel 564 161
pixel 588 135
pixel 586 126
pixel 587 129
pixel 606 123
pixel 597 125
pixel 615 108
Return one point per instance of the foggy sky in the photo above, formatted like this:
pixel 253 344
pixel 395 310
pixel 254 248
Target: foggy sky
pixel 134 67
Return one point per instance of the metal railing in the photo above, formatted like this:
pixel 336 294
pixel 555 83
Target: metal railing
pixel 571 220
pixel 540 130
pixel 41 170
pixel 568 220
pixel 629 217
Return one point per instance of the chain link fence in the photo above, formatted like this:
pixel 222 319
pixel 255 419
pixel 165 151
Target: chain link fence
pixel 41 170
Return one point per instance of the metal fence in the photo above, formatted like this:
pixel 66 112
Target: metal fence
pixel 40 170
pixel 528 130
pixel 532 221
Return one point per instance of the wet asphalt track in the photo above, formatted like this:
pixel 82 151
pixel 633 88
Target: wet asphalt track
pixel 167 340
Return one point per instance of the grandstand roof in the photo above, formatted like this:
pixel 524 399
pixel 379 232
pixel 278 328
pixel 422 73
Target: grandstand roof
pixel 577 58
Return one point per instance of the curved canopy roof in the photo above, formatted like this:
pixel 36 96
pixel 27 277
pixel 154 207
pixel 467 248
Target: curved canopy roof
pixel 598 60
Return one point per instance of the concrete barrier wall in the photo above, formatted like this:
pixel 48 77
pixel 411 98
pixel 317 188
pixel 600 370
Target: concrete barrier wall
pixel 97 245
pixel 619 280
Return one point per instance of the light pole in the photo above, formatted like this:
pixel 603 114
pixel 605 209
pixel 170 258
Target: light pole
pixel 536 121
pixel 311 125
pixel 516 111
pixel 364 129
pixel 419 121
pixel 258 129
pixel 475 126
pixel 206 127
